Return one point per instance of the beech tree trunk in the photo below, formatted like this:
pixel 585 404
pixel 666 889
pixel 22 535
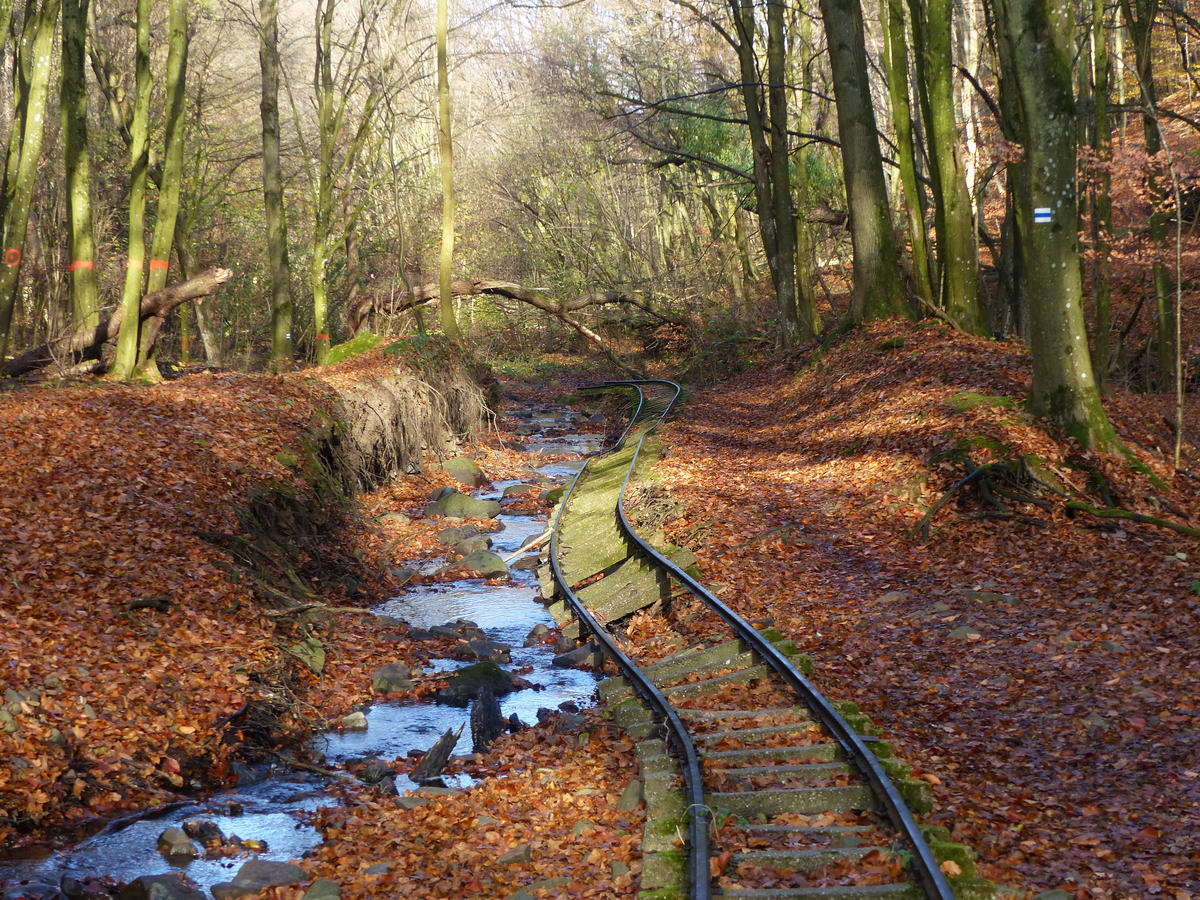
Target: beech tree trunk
pixel 87 342
pixel 139 160
pixel 167 213
pixel 277 252
pixel 954 219
pixel 85 304
pixel 25 151
pixel 1036 42
pixel 208 314
pixel 793 327
pixel 895 65
pixel 878 287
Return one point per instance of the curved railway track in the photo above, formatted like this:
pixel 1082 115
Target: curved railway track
pixel 767 775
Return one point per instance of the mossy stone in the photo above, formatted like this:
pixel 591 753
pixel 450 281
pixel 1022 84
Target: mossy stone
pixel 456 504
pixel 483 562
pixel 464 469
pixel 466 683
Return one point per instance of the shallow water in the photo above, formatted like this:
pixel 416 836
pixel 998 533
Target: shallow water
pixel 274 807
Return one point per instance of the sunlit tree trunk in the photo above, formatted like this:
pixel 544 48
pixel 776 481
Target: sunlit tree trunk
pixel 85 305
pixel 139 160
pixel 806 263
pixel 277 253
pixel 878 288
pixel 167 213
pixel 954 214
pixel 1037 48
pixel 967 30
pixel 895 65
pixel 23 40
pixel 36 44
pixel 446 164
pixel 323 212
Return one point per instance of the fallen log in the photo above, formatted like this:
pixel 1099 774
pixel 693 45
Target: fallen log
pixel 87 342
pixel 429 294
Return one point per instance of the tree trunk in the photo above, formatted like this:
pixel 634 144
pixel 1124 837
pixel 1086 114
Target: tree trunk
pixel 139 159
pixel 36 43
pixel 1101 195
pixel 446 165
pixel 87 342
pixel 806 239
pixel 277 252
pixel 208 313
pixel 775 215
pixel 167 213
pixel 1036 49
pixel 745 262
pixel 794 327
pixel 1140 15
pixel 878 287
pixel 85 304
pixel 22 66
pixel 895 64
pixel 954 216
pixel 323 212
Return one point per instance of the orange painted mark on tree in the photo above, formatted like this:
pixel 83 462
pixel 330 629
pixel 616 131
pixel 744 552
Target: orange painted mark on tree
pixel 322 337
pixel 159 264
pixel 12 256
pixel 81 264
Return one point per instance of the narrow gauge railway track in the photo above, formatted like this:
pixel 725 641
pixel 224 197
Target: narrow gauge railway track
pixel 771 779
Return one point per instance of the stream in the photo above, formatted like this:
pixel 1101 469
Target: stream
pixel 272 804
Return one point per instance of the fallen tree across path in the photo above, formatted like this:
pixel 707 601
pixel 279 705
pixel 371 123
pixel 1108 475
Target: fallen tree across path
pixel 429 294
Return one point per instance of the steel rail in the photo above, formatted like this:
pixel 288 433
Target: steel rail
pixel 698 834
pixel 925 865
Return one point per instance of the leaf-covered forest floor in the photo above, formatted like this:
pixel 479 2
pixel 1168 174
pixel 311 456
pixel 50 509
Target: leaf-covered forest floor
pixel 117 706
pixel 137 663
pixel 1041 670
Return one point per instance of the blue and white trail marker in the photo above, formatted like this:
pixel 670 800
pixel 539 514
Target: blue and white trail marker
pixel 1041 215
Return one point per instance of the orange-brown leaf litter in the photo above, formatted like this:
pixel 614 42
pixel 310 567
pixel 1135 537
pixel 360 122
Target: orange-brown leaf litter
pixel 104 493
pixel 1044 670
pixel 549 799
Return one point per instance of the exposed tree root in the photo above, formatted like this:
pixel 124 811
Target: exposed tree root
pixel 1118 513
pixel 1015 480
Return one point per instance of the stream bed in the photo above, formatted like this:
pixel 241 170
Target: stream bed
pixel 272 805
